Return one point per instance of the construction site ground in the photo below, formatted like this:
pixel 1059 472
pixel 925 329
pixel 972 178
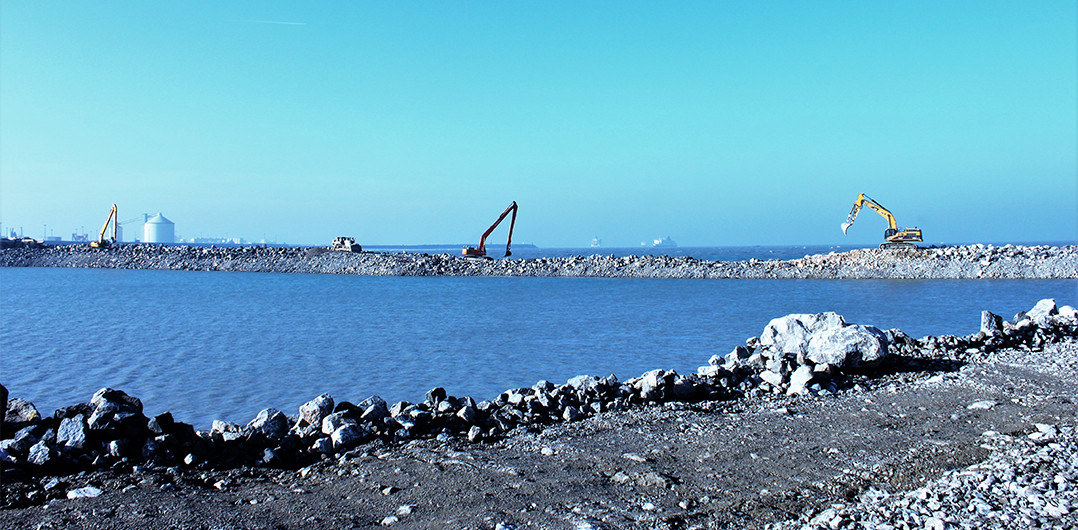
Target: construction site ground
pixel 734 464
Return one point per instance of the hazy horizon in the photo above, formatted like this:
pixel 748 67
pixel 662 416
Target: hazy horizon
pixel 713 123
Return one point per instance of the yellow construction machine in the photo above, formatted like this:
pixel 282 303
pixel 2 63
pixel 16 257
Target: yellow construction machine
pixel 101 241
pixel 895 238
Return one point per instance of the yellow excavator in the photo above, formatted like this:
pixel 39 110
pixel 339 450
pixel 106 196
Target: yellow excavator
pixel 895 238
pixel 101 241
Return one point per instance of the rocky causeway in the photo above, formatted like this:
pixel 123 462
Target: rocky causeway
pixel 815 423
pixel 955 262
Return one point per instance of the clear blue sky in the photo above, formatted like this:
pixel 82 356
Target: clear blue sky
pixel 715 122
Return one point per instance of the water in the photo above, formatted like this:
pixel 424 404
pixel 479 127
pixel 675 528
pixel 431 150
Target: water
pixel 208 345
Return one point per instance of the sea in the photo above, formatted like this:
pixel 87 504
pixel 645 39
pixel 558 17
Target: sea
pixel 225 345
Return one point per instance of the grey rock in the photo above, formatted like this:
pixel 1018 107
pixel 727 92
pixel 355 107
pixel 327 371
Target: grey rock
pixel 271 423
pixel 322 445
pixel 651 384
pixel 571 413
pixel 991 323
pixel 583 382
pixel 21 412
pixel 467 414
pixel 544 386
pixel 335 421
pixel 800 380
pixel 374 408
pixel 103 417
pixel 316 409
pixel 40 454
pixel 71 435
pixel 791 333
pixel 848 346
pixel 84 492
pixel 1041 313
pixel 399 408
pixel 436 395
pixel 652 479
pixel 772 378
pixel 1068 316
pixel 348 435
pixel 684 389
pixel 24 439
pixel 475 434
pixel 161 424
pixel 735 357
pixel 219 426
pixel 150 448
pixel 119 398
pixel 116 448
pixel 984 404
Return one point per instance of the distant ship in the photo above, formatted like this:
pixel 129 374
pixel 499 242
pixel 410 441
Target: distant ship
pixel 664 242
pixel 596 242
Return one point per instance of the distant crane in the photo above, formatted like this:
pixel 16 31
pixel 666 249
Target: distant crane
pixel 481 250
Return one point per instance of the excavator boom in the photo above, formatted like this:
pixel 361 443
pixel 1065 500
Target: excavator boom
pixel 481 250
pixel 892 235
pixel 101 241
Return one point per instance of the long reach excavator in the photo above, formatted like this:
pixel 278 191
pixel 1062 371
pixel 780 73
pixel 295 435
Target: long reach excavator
pixel 895 238
pixel 101 241
pixel 481 250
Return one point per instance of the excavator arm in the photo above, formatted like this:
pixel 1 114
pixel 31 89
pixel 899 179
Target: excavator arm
pixel 863 200
pixel 894 237
pixel 112 218
pixel 481 250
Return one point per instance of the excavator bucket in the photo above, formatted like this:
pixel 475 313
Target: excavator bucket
pixel 846 226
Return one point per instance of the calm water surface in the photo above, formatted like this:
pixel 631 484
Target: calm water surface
pixel 208 345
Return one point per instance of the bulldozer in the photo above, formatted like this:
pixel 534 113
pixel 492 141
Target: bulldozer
pixel 345 244
pixel 894 237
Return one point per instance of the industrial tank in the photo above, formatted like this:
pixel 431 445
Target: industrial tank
pixel 158 229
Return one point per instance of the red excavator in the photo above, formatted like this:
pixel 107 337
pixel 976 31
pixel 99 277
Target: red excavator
pixel 481 250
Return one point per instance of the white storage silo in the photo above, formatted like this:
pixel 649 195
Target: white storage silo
pixel 158 229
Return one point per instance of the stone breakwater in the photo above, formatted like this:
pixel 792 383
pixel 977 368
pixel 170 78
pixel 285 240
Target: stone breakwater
pixel 810 355
pixel 960 262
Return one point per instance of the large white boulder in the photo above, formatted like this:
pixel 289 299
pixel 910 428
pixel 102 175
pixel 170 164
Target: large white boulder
pixel 824 338
pixel 1042 312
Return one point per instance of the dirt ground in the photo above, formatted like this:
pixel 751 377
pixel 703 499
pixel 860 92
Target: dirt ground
pixel 737 464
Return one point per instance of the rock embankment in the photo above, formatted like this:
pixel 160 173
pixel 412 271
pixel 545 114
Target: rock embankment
pixel 802 354
pixel 974 261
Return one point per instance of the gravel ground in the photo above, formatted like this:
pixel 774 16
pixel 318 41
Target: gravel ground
pixel 943 444
pixel 975 261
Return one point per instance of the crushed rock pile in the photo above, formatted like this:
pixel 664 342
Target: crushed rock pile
pixel 972 261
pixel 1028 481
pixel 815 355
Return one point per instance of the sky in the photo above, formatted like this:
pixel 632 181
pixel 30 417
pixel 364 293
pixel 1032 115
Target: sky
pixel 714 122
